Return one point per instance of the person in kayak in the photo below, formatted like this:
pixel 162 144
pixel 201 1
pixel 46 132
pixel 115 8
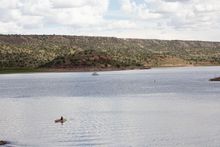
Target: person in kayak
pixel 61 120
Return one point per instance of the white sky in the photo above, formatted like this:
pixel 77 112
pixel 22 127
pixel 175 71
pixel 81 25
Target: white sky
pixel 158 19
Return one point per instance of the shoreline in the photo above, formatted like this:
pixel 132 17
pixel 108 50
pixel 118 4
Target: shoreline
pixel 92 69
pixel 3 142
pixel 215 79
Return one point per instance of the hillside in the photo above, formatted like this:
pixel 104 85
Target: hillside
pixel 81 52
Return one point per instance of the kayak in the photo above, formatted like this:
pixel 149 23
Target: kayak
pixel 60 121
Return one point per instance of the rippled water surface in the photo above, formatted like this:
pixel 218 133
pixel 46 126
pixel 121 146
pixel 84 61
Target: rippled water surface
pixel 139 108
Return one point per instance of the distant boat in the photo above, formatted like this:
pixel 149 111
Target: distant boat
pixel 95 74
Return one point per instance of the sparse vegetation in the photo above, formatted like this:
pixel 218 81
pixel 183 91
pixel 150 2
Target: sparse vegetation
pixel 51 51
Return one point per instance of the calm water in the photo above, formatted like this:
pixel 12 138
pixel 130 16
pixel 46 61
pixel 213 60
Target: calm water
pixel 159 107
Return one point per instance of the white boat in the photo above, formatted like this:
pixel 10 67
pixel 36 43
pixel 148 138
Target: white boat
pixel 95 74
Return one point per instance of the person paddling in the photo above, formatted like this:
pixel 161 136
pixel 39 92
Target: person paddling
pixel 61 120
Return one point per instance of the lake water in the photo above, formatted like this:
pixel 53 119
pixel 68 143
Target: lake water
pixel 161 107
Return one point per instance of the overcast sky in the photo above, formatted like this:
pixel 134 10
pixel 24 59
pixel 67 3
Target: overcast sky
pixel 159 19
